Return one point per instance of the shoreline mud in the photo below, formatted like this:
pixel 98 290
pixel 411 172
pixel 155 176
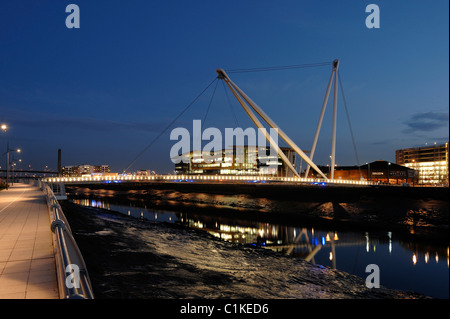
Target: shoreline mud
pixel 421 213
pixel 129 258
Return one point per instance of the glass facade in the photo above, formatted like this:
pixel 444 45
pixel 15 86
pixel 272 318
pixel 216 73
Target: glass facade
pixel 240 160
pixel 84 169
pixel 430 161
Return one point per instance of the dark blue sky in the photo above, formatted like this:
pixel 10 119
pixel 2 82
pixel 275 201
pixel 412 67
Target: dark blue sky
pixel 103 92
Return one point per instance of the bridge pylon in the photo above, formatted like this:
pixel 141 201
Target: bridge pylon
pixel 241 97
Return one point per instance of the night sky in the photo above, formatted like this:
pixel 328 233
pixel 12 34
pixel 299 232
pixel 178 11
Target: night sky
pixel 103 92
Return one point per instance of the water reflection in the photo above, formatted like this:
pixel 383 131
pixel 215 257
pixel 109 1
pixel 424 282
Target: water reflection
pixel 293 241
pixel 131 210
pixel 403 264
pixel 299 242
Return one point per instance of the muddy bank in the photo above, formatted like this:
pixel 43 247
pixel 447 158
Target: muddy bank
pixel 405 212
pixel 280 191
pixel 130 258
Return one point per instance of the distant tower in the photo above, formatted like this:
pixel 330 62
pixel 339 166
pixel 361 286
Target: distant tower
pixel 59 163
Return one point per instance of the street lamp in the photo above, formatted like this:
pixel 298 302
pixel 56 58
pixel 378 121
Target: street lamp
pixel 7 161
pixel 388 173
pixel 368 171
pixel 14 163
pixel 3 128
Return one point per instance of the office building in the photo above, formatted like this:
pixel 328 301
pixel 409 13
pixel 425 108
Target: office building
pixel 381 172
pixel 431 161
pixel 238 160
pixel 85 169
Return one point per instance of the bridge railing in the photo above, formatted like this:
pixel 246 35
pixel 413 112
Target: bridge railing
pixel 73 277
pixel 206 178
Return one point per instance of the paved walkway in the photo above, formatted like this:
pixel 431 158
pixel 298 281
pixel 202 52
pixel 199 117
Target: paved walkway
pixel 27 261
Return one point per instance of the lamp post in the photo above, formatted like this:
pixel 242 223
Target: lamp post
pixel 7 161
pixel 388 173
pixel 330 170
pixel 3 128
pixel 14 164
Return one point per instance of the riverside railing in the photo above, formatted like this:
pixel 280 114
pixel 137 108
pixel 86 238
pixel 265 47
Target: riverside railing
pixel 73 277
pixel 205 178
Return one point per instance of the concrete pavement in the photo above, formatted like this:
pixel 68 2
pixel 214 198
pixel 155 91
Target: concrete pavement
pixel 27 260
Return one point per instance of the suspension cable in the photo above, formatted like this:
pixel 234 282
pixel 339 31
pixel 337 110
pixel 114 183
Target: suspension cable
pixel 349 123
pixel 277 68
pixel 209 105
pixel 168 126
pixel 230 105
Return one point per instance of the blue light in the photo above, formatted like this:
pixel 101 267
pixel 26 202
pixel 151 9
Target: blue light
pixel 323 241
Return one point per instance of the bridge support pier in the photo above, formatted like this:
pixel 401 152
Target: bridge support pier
pixel 59 189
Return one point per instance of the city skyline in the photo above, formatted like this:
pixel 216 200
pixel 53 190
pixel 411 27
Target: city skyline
pixel 103 92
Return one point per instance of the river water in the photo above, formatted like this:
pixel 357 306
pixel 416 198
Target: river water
pixel 403 264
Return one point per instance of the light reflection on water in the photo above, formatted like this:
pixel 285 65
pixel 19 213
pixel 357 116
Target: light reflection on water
pixel 403 265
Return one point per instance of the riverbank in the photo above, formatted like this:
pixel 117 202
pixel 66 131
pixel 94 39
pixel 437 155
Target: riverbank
pixel 130 258
pixel 280 191
pixel 421 213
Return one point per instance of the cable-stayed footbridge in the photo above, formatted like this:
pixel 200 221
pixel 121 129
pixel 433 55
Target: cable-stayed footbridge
pixel 254 113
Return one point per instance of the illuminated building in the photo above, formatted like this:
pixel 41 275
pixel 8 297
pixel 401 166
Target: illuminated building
pixel 382 172
pixel 144 172
pixel 85 169
pixel 240 160
pixel 103 169
pixel 431 161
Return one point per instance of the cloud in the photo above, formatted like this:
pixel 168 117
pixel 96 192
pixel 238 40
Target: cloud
pixel 379 143
pixel 426 122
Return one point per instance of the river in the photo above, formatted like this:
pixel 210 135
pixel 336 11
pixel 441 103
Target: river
pixel 405 264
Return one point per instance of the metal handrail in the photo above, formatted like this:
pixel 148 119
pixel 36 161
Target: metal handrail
pixel 67 253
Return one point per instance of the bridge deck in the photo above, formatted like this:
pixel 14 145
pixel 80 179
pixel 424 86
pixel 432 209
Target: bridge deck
pixel 27 260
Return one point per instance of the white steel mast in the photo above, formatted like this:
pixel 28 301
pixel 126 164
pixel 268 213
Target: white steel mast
pixel 324 106
pixel 222 74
